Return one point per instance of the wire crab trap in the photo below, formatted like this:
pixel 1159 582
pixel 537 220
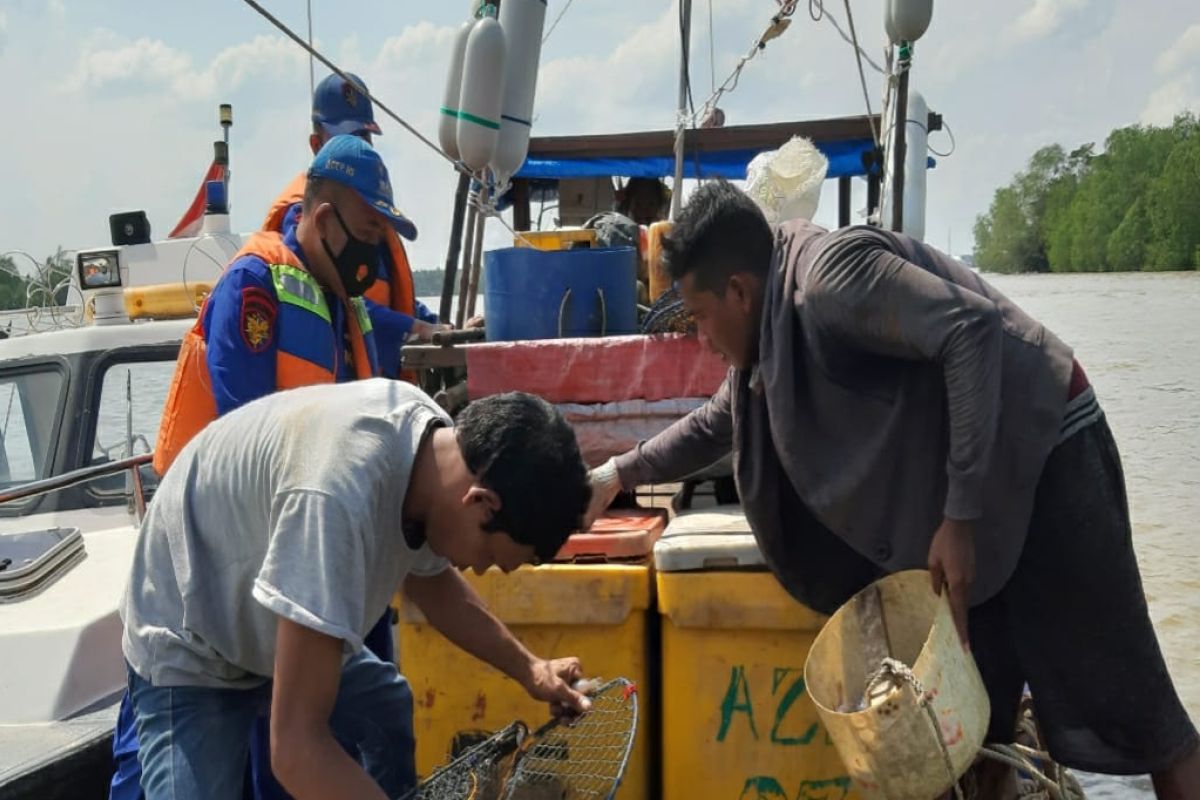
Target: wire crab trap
pixel 582 758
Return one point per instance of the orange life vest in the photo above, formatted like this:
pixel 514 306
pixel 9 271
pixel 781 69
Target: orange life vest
pixel 190 404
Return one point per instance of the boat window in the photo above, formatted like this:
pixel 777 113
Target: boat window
pixel 29 402
pixel 130 407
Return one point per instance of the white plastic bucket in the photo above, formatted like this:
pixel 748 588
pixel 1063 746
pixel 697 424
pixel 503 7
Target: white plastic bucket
pixel 890 743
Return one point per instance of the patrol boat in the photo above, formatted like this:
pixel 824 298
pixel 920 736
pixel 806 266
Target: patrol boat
pixel 81 407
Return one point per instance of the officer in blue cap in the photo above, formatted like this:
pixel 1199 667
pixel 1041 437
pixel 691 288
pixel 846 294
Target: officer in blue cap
pixel 341 107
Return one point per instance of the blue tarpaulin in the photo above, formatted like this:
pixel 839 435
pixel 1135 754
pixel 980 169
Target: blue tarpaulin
pixel 845 159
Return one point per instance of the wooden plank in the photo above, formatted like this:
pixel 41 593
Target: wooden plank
pixel 425 356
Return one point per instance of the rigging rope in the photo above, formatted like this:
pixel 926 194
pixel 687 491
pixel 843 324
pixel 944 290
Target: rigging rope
pixel 556 21
pixel 312 51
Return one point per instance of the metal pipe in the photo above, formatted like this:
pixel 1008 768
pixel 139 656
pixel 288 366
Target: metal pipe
pixel 685 36
pixel 476 265
pixel 456 230
pixel 899 126
pixel 843 201
pixel 77 476
pixel 450 338
pixel 465 278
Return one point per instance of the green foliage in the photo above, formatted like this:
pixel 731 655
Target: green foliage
pixel 18 288
pixel 1132 207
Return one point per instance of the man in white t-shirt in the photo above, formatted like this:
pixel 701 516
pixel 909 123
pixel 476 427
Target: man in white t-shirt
pixel 275 542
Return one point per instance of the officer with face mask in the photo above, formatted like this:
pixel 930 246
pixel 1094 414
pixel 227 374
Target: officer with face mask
pixel 288 311
pixel 342 106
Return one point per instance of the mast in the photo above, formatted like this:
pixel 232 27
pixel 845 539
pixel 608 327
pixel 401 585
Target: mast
pixel 685 35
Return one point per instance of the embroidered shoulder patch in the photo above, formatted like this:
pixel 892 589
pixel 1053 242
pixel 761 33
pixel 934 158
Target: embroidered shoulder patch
pixel 258 319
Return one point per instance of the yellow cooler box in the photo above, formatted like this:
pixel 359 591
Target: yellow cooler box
pixel 737 723
pixel 596 606
pixel 561 239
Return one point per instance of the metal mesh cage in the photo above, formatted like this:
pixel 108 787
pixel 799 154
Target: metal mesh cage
pixel 579 759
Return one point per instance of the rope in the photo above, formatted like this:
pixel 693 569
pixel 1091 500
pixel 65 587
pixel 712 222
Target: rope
pixel 775 28
pixel 826 15
pixel 313 52
pixel 556 21
pixel 779 23
pixel 712 52
pixel 862 76
pixel 1018 756
pixel 898 669
pixel 488 209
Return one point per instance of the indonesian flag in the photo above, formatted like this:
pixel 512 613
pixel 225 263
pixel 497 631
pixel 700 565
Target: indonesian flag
pixel 189 223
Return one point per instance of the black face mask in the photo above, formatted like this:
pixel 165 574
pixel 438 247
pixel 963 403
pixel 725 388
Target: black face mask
pixel 355 265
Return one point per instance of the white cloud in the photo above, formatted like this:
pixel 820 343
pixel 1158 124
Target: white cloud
pixel 619 90
pixel 1179 64
pixel 1183 53
pixel 1043 18
pixel 147 60
pixel 58 8
pixel 151 63
pixel 1179 94
pixel 3 31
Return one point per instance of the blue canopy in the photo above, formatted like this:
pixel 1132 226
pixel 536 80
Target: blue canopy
pixel 845 159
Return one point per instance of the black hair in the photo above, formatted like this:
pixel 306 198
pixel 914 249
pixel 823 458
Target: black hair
pixel 521 448
pixel 719 233
pixel 314 192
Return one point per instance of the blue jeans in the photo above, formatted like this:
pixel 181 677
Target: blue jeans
pixel 127 772
pixel 194 741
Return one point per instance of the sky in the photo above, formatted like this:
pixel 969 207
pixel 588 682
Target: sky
pixel 112 105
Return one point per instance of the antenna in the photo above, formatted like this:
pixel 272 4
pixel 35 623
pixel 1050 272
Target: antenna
pixel 221 154
pixel 312 85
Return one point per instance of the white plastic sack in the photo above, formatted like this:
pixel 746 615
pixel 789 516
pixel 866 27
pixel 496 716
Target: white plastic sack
pixel 786 183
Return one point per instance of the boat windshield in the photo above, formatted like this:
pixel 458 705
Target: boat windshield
pixel 128 411
pixel 29 421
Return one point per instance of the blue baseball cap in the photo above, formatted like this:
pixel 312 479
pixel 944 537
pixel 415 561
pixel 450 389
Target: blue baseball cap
pixel 342 106
pixel 352 162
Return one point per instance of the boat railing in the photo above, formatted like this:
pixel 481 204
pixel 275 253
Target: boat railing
pixel 132 465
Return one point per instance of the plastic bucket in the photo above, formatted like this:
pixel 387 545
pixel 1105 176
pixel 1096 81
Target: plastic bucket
pixel 900 739
pixel 540 294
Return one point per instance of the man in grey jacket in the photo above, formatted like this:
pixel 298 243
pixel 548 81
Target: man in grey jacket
pixel 889 410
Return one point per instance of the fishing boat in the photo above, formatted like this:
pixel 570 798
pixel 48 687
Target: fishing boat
pixel 82 404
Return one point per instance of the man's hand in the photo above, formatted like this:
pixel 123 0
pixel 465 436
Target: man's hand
pixel 606 484
pixel 424 331
pixel 474 322
pixel 952 567
pixel 550 681
pixel 458 613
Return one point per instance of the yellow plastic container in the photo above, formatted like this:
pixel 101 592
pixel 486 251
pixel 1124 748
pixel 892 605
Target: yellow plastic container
pixel 596 611
pixel 660 281
pixel 909 734
pixel 737 721
pixel 556 240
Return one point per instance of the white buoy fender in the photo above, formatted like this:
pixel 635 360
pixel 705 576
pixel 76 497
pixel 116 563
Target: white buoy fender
pixel 916 165
pixel 448 119
pixel 522 21
pixel 482 92
pixel 906 20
